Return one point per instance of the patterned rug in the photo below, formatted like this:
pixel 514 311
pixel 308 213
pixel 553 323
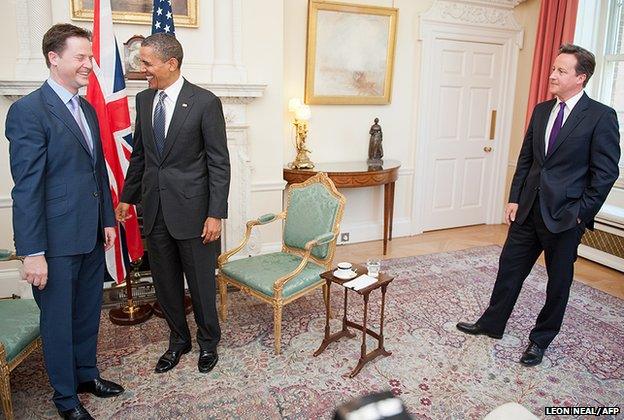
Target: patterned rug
pixel 437 371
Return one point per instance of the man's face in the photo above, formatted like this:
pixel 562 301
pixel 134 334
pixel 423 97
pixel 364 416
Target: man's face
pixel 73 65
pixel 160 74
pixel 564 82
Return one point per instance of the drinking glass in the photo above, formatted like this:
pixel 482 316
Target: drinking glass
pixel 373 266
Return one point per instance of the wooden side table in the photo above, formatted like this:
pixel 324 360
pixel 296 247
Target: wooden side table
pixel 357 175
pixel 382 282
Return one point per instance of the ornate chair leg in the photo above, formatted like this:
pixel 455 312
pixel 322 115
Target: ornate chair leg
pixel 5 386
pixel 222 298
pixel 277 326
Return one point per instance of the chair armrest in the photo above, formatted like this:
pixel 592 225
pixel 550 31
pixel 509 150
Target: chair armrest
pixel 320 240
pixel 262 220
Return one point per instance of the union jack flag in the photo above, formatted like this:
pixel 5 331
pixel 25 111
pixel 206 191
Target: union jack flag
pixel 107 93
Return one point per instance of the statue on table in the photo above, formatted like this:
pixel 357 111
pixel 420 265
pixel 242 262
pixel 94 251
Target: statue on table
pixel 375 148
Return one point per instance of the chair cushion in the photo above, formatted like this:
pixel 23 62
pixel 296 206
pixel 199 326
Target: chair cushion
pixel 260 272
pixel 311 212
pixel 19 325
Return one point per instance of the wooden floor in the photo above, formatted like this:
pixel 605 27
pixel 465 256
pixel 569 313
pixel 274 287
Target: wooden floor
pixel 588 272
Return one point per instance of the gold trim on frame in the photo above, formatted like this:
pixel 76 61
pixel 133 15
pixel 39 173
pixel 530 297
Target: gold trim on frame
pixel 78 12
pixel 313 8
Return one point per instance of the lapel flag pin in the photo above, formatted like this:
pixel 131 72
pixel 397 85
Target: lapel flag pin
pixel 184 105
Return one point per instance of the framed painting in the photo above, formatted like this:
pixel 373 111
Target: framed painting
pixel 138 11
pixel 350 53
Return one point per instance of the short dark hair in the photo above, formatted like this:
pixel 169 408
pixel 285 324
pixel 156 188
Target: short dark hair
pixel 56 38
pixel 585 60
pixel 166 46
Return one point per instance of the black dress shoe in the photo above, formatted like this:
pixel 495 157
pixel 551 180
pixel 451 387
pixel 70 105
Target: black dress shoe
pixel 533 355
pixel 101 388
pixel 476 329
pixel 76 413
pixel 170 359
pixel 207 360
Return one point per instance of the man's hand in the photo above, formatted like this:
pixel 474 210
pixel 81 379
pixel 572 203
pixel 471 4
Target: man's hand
pixel 510 212
pixel 121 212
pixel 212 230
pixel 109 239
pixel 36 271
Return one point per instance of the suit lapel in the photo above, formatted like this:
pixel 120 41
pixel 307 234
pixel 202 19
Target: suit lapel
pixel 147 107
pixel 93 127
pixel 575 117
pixel 541 129
pixel 60 111
pixel 180 112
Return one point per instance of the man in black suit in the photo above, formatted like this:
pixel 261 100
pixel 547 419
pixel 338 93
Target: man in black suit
pixel 567 166
pixel 180 172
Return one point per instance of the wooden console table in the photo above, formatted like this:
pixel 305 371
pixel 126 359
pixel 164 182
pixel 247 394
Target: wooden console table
pixel 357 175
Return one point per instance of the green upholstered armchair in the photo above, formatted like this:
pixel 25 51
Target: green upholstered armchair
pixel 312 218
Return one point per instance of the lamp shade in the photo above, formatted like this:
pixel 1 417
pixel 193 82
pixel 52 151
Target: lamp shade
pixel 303 113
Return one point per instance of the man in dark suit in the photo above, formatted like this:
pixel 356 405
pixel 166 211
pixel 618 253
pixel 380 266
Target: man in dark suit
pixel 567 166
pixel 180 172
pixel 63 215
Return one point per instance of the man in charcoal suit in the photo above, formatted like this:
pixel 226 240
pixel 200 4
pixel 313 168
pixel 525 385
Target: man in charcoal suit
pixel 567 166
pixel 180 172
pixel 63 216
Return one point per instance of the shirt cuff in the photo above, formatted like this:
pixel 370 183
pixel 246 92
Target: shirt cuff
pixel 36 254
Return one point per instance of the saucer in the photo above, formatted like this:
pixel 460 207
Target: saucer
pixel 348 276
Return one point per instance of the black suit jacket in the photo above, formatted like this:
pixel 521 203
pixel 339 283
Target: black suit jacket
pixel 573 180
pixel 191 178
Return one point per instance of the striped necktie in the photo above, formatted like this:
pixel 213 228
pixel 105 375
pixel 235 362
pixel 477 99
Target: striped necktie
pixel 160 116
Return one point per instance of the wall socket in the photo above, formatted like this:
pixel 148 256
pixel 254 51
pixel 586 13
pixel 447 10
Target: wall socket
pixel 344 237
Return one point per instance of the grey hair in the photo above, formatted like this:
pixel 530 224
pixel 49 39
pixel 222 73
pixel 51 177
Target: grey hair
pixel 165 46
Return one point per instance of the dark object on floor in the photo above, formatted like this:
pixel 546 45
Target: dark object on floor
pixel 380 405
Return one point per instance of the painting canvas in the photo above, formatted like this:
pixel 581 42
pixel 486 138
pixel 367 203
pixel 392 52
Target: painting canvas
pixel 350 54
pixel 138 11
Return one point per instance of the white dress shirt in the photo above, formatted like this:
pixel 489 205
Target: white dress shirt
pixel 569 106
pixel 172 93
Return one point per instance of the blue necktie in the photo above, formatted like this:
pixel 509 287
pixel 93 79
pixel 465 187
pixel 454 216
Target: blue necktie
pixel 159 122
pixel 556 127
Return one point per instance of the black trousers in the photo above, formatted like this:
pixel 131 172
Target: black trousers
pixel 170 261
pixel 523 246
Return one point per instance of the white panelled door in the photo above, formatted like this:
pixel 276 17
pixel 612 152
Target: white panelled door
pixel 460 153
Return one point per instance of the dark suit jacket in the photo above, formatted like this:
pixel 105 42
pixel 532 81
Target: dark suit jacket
pixel 573 180
pixel 61 194
pixel 191 179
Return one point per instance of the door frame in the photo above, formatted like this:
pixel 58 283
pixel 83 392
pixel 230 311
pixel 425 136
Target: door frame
pixel 460 21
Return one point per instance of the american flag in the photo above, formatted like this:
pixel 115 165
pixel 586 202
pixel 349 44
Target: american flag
pixel 107 93
pixel 162 17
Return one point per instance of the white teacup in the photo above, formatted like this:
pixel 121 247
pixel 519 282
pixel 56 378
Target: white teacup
pixel 345 268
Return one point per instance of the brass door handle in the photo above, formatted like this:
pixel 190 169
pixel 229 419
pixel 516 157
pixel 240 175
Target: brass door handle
pixel 493 125
pixel 487 149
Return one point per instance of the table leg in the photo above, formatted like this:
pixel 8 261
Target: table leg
pixel 392 184
pixel 344 332
pixel 386 216
pixel 380 347
pixel 363 358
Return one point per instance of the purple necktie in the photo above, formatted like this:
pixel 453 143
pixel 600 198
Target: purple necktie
pixel 556 128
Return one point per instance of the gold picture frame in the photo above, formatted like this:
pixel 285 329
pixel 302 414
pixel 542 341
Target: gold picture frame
pixel 138 11
pixel 350 53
